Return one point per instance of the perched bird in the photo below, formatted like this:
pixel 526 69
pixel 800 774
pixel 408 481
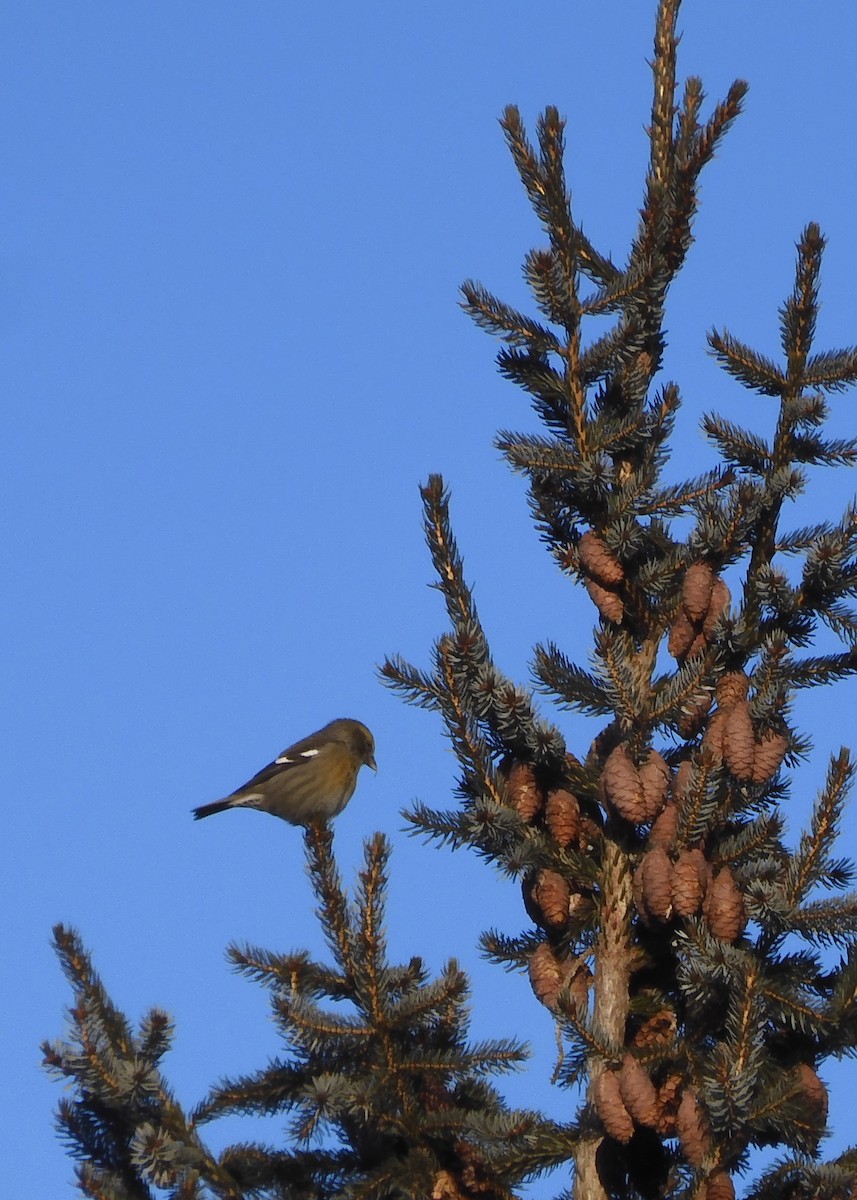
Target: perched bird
pixel 311 781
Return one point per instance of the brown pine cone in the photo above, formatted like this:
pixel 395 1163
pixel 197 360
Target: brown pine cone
pixel 562 816
pixel 664 829
pixel 639 1094
pixel 657 882
pixel 770 752
pixel 474 1177
pixel 723 906
pixel 608 603
pixel 622 785
pixel 715 731
pixel 590 834
pixel 683 633
pixel 547 974
pixel 578 988
pixel 657 1031
pixel 692 1129
pixel 668 1101
pixel 552 894
pixel 719 1186
pixel 682 781
pixel 689 878
pixel 573 765
pixel 720 597
pixel 522 791
pixel 739 742
pixel 692 719
pixel 655 778
pixel 696 590
pixel 730 688
pixel 598 560
pixel 698 646
pixel 607 1098
pixel 813 1089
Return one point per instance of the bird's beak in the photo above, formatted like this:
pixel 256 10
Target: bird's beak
pixel 370 762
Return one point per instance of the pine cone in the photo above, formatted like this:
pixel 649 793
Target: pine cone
pixel 723 906
pixel 668 1101
pixel 552 894
pixel 578 989
pixel 813 1089
pixel 664 829
pixel 719 1186
pixel 572 762
pixel 623 787
pixel 696 590
pixel 522 791
pixel 607 1098
pixel 656 1032
pixel 715 731
pixel 562 816
pixel 689 877
pixel 608 603
pixel 655 778
pixel 692 1129
pixel 692 718
pixel 739 742
pixel 598 560
pixel 639 1094
pixel 698 646
pixel 770 752
pixel 547 974
pixel 657 881
pixel 731 687
pixel 590 835
pixel 720 598
pixel 474 1176
pixel 682 781
pixel 683 633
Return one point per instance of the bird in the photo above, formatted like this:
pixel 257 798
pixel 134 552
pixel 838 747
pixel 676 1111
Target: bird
pixel 311 781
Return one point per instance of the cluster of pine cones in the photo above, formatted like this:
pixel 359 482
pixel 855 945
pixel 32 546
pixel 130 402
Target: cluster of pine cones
pixel 673 879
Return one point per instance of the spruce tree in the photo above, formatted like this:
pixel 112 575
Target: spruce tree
pixel 385 1094
pixel 699 963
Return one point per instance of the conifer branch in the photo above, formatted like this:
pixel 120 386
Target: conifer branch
pixel 718 124
pixel 574 687
pixel 318 844
pixel 415 686
pixel 752 370
pixel 663 104
pixel 798 314
pixel 500 319
pixel 807 863
pixel 462 731
pixel 444 552
pixel 528 453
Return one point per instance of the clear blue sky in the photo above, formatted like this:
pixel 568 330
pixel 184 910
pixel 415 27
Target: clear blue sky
pixel 230 242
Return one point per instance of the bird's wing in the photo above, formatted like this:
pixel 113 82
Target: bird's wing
pixel 290 758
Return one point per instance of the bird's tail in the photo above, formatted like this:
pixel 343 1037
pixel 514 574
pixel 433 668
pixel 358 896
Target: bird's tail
pixel 207 810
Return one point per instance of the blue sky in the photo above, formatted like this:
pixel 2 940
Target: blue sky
pixel 230 242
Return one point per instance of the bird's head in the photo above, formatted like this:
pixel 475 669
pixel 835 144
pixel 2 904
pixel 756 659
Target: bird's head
pixel 357 737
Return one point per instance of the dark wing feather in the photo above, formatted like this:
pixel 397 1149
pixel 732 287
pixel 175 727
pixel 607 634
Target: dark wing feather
pixel 270 772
